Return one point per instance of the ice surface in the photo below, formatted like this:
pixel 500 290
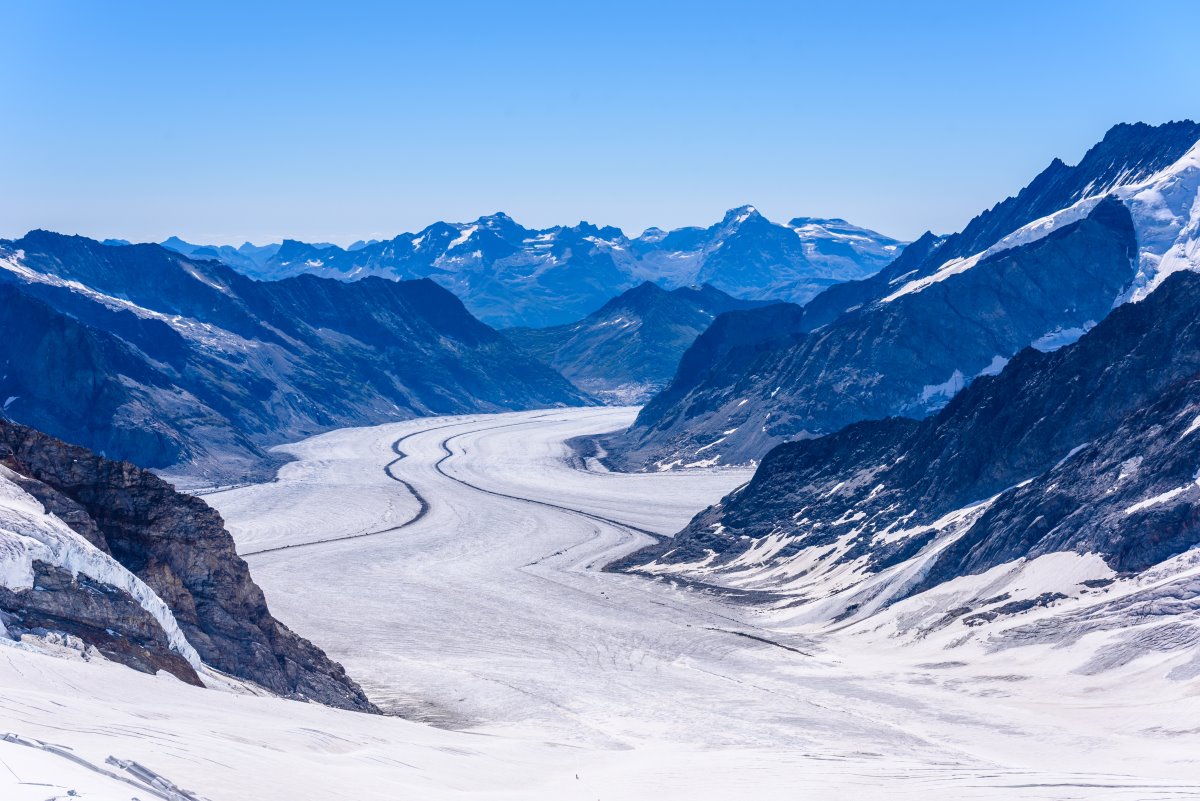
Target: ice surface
pixel 490 615
pixel 462 237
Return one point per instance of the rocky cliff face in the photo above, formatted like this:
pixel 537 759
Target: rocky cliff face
pixel 98 614
pixel 630 347
pixel 142 354
pixel 177 545
pixel 1089 450
pixel 1036 269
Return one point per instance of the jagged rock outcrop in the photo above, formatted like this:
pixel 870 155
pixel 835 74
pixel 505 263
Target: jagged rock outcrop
pixel 98 614
pixel 179 547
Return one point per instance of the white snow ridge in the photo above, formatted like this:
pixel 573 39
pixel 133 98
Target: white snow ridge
pixel 1166 216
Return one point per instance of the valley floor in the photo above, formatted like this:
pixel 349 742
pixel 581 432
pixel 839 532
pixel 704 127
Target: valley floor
pixel 453 565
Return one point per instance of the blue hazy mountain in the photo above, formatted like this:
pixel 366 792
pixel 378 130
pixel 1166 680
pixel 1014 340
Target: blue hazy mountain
pixel 247 258
pixel 509 275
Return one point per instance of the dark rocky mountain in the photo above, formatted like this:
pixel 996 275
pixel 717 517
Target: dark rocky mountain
pixel 1091 449
pixel 511 276
pixel 189 366
pixel 1038 268
pixel 178 546
pixel 630 347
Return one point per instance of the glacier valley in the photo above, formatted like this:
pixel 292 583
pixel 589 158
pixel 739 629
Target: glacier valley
pixel 462 583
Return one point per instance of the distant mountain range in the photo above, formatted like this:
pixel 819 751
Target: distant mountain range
pixel 247 258
pixel 141 353
pixel 1038 269
pixel 1085 456
pixel 509 276
pixel 630 347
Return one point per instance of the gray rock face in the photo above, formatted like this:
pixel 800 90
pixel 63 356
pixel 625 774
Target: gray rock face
pixel 179 547
pixel 142 354
pixel 631 346
pixel 1092 448
pixel 99 615
pixel 856 352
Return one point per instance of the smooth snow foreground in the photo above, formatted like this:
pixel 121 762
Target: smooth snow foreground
pixel 459 587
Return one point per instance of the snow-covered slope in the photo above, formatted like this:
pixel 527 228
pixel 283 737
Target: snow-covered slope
pixel 228 746
pixel 508 275
pixel 1164 207
pixel 1047 502
pixel 947 310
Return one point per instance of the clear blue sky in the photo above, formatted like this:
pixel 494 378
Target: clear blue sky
pixel 226 121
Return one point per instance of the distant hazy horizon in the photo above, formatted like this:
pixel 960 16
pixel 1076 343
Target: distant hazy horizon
pixel 366 120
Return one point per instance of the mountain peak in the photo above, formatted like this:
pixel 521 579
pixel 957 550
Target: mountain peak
pixel 798 222
pixel 740 215
pixel 497 220
pixel 509 274
pixel 585 229
pixel 644 289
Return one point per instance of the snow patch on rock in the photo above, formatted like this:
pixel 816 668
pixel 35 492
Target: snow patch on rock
pixel 28 534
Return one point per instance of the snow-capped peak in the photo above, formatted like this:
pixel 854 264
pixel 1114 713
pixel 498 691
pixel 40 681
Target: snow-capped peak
pixel 497 220
pixel 1165 208
pixel 740 215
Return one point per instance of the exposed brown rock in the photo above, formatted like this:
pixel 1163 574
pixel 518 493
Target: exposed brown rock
pixel 178 545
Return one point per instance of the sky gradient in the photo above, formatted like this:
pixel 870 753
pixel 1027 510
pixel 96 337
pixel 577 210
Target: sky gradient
pixel 222 122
